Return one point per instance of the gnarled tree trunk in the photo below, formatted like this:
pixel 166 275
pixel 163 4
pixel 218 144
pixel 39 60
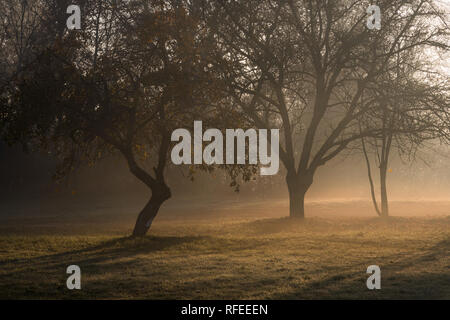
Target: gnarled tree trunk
pixel 160 190
pixel 149 212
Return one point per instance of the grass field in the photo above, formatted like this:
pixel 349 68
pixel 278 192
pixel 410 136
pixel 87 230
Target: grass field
pixel 228 258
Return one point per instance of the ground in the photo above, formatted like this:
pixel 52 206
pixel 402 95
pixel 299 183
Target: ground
pixel 227 257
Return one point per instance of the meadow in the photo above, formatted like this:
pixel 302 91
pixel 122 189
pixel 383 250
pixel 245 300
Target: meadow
pixel 234 256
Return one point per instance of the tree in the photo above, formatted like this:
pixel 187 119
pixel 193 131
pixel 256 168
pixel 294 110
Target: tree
pixel 305 66
pixel 119 85
pixel 411 112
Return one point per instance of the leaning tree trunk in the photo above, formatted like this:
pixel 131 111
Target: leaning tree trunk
pixel 149 212
pixel 160 190
pixel 369 174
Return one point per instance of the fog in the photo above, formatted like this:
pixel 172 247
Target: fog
pixel 420 187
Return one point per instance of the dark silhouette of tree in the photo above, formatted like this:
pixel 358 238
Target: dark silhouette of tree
pixel 304 67
pixel 121 84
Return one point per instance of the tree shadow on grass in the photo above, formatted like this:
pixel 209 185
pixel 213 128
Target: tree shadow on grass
pixel 105 268
pixel 398 280
pixel 108 250
pixel 117 267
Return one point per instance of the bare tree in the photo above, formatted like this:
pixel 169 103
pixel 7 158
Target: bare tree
pixel 414 106
pixel 304 67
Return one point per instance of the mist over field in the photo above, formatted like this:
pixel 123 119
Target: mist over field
pixel 416 188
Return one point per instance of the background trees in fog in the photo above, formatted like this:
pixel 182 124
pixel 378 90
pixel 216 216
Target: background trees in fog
pixel 307 67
